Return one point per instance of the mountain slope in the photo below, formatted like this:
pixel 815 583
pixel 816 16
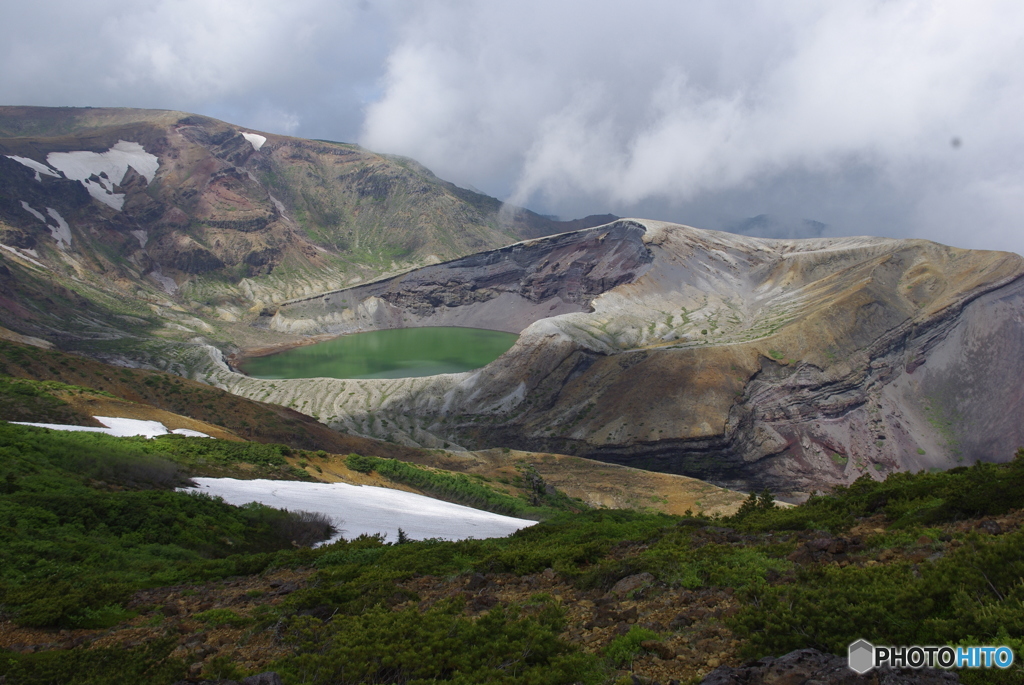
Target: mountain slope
pixel 136 213
pixel 789 363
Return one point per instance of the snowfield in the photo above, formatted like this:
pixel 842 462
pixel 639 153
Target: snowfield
pixel 35 166
pixel 107 167
pixel 255 139
pixel 61 232
pixel 34 212
pixel 20 253
pixel 120 428
pixel 358 509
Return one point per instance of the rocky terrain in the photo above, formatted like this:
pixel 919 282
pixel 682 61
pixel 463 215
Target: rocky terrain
pixel 793 364
pixel 123 223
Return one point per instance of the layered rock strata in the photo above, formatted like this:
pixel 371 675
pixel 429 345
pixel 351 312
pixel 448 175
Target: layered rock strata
pixel 792 364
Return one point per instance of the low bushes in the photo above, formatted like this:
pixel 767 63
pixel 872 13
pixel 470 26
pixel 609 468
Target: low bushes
pixel 73 553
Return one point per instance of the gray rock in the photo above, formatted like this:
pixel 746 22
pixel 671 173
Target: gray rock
pixel 631 583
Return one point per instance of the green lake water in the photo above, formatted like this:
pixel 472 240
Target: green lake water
pixel 395 353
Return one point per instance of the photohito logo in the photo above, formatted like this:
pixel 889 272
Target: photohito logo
pixel 863 656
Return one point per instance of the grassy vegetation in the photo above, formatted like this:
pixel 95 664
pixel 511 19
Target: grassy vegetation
pixel 60 374
pixel 85 520
pixel 507 645
pixel 540 502
pixel 972 594
pixel 35 401
pixel 201 456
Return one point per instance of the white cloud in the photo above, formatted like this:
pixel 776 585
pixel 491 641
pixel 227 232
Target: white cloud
pixel 702 112
pixel 288 67
pixel 673 102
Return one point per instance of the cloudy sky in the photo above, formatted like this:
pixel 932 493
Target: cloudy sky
pixel 897 117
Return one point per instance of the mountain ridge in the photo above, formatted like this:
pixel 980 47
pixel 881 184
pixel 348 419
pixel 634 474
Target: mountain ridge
pixel 221 226
pixel 819 360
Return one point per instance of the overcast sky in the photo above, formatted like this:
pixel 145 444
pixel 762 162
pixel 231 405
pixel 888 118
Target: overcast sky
pixel 896 118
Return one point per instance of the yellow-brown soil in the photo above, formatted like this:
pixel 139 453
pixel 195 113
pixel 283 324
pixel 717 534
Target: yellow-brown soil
pixel 596 483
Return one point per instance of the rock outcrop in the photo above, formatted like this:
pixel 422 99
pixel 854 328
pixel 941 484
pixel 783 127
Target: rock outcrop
pixel 505 289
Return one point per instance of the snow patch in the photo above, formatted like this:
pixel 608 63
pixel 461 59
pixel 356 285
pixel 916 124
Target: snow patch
pixel 120 428
pixel 61 232
pixel 278 204
pixel 255 139
pixel 189 433
pixel 142 237
pixel 35 166
pixel 358 509
pixel 17 253
pixel 28 208
pixel 99 172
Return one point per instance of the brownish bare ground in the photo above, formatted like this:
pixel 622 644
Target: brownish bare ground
pixel 596 483
pixel 93 405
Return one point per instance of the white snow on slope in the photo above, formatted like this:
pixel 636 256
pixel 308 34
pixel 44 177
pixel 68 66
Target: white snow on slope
pixel 108 167
pixel 142 236
pixel 255 139
pixel 36 214
pixel 19 253
pixel 120 428
pixel 61 232
pixel 166 282
pixel 35 166
pixel 365 509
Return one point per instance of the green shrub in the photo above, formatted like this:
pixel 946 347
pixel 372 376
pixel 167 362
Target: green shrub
pixel 976 590
pixel 104 617
pixel 75 552
pixel 436 645
pixel 906 498
pixel 358 462
pixel 621 651
pixel 221 667
pixel 149 664
pixel 222 617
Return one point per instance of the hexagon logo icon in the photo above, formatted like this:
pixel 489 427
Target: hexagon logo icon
pixel 861 656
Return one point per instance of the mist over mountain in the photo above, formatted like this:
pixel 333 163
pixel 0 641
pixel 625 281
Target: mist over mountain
pixel 770 226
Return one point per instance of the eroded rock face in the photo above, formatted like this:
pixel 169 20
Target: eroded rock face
pixel 792 364
pixel 505 289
